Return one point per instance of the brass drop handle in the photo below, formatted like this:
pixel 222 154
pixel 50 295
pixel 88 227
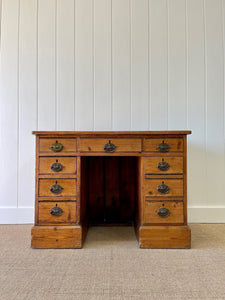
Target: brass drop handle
pixel 56 167
pixel 56 211
pixel 56 188
pixel 56 147
pixel 163 147
pixel 110 147
pixel 163 188
pixel 163 165
pixel 163 212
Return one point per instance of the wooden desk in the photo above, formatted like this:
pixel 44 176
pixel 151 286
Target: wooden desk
pixel 85 178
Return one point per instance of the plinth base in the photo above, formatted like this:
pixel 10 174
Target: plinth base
pixel 56 237
pixel 165 237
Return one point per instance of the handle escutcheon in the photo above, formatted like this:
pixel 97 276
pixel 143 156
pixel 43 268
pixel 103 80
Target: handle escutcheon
pixel 163 147
pixel 56 147
pixel 163 188
pixel 56 211
pixel 110 147
pixel 56 167
pixel 56 188
pixel 163 212
pixel 163 165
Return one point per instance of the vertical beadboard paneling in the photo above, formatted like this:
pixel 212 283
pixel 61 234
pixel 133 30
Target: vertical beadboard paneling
pixel 177 106
pixel 113 65
pixel 65 64
pixel 84 65
pixel 9 103
pixel 139 64
pixel 27 100
pixel 196 101
pixel 121 65
pixel 0 19
pixel 47 65
pixel 102 64
pixel 158 53
pixel 214 102
pixel 223 33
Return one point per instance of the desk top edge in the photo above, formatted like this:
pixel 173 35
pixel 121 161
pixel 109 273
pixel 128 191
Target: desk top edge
pixel 116 133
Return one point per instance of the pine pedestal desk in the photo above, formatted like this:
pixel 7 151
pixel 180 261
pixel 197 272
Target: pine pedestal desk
pixel 111 178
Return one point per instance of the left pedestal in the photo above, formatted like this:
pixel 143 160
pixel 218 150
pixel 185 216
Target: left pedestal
pixel 57 201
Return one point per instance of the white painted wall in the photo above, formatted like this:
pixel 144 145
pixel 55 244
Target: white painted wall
pixel 113 65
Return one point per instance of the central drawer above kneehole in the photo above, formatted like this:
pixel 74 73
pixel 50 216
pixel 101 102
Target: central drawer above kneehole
pixel 110 145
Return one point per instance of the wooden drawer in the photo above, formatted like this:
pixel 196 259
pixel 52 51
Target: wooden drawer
pixel 122 145
pixel 56 212
pixel 68 187
pixel 164 212
pixel 57 165
pixel 168 187
pixel 68 145
pixel 164 165
pixel 174 145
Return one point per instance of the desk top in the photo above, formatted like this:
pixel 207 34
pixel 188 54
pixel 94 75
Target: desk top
pixel 110 133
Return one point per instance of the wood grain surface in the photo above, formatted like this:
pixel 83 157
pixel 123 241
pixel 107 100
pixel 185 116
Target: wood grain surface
pixel 176 165
pixel 175 144
pixel 122 145
pixel 175 208
pixel 176 187
pixel 56 237
pixel 165 237
pixel 68 213
pixel 68 187
pixel 69 165
pixel 69 145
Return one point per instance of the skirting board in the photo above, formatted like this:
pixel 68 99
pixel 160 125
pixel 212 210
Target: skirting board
pixel 209 214
pixel 196 214
pixel 15 215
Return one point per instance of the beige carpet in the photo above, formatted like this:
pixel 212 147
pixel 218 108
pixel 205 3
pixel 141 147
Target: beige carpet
pixel 111 266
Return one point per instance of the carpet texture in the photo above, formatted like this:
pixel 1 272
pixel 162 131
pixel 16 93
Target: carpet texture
pixel 111 266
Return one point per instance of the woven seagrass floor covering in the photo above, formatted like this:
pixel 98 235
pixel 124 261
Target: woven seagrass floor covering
pixel 111 266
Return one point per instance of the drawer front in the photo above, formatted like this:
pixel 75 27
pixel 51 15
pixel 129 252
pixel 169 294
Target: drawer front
pixel 57 187
pixel 162 145
pixel 58 145
pixel 122 145
pixel 57 212
pixel 164 212
pixel 60 165
pixel 164 187
pixel 164 165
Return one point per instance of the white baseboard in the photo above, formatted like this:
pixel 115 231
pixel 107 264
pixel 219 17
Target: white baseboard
pixel 14 215
pixel 209 214
pixel 196 214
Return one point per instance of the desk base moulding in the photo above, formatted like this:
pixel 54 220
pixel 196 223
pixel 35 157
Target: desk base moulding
pixel 162 237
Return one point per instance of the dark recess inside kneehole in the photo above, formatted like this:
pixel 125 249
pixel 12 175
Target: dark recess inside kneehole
pixel 109 189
